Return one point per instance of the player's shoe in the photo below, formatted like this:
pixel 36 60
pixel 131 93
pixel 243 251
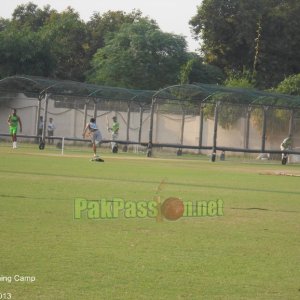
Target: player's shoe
pixel 97 158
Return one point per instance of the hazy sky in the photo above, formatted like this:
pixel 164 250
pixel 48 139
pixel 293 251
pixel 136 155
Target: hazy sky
pixel 171 15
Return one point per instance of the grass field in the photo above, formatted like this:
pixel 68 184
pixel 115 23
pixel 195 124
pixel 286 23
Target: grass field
pixel 251 252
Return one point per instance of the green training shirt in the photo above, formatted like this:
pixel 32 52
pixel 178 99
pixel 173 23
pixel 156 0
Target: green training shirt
pixel 13 121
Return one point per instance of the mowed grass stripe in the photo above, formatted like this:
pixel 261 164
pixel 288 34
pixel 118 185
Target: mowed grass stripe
pixel 250 253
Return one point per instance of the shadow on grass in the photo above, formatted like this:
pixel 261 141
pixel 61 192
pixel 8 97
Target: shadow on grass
pixel 264 209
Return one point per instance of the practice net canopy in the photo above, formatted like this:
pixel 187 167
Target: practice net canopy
pixel 192 117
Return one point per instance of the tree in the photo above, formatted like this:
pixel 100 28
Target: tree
pixel 230 110
pixel 23 49
pixel 139 56
pixel 260 35
pixel 69 44
pixel 30 16
pixel 24 52
pixel 3 24
pixel 45 43
pixel 195 70
pixel 278 119
pixel 290 85
pixel 100 26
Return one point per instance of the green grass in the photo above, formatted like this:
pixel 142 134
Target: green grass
pixel 252 252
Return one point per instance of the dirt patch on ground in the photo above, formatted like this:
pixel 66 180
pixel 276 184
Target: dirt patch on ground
pixel 281 173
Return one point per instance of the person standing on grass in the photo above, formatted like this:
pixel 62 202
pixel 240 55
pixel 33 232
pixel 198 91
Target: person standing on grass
pixel 13 122
pixel 286 145
pixel 94 133
pixel 51 128
pixel 41 126
pixel 114 130
pixel 40 129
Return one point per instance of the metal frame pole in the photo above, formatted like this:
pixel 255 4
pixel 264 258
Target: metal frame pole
pixel 247 129
pixel 149 148
pixel 264 128
pixel 125 148
pixel 216 117
pixel 179 151
pixel 95 110
pixel 291 122
pixel 201 123
pixel 43 140
pixel 84 115
pixel 141 123
pixel 38 117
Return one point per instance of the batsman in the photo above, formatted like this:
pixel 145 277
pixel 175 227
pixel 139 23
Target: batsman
pixel 286 144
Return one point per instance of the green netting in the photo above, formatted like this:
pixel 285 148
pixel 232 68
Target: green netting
pixel 33 86
pixel 61 89
pixel 209 93
pixel 191 116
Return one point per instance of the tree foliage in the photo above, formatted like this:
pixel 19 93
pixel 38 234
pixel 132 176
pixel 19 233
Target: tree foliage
pixel 30 16
pixel 44 42
pixel 290 85
pixel 195 70
pixel 101 26
pixel 25 52
pixel 230 110
pixel 128 49
pixel 68 36
pixel 278 119
pixel 139 56
pixel 261 35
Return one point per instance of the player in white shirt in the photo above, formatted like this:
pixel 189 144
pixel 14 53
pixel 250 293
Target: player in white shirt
pixel 91 130
pixel 286 144
pixel 51 128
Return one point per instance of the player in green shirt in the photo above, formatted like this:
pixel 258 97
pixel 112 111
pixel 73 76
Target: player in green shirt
pixel 115 126
pixel 13 122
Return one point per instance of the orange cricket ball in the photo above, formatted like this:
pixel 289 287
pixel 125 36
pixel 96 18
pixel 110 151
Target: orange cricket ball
pixel 172 209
